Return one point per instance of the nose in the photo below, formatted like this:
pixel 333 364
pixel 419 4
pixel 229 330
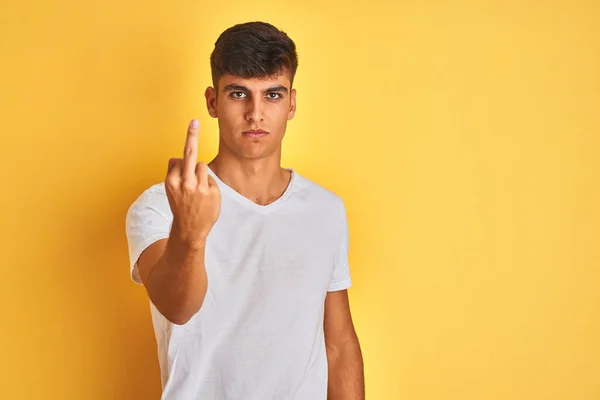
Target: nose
pixel 254 112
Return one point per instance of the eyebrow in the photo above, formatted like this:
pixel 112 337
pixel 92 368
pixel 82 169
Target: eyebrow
pixel 235 87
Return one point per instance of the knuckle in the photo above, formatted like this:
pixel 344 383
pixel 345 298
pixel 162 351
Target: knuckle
pixel 171 182
pixel 173 162
pixel 188 186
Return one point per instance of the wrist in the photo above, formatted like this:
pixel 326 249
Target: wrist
pixel 187 241
pixel 183 245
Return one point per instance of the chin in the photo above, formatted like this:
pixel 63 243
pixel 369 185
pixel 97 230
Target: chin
pixel 253 156
pixel 255 153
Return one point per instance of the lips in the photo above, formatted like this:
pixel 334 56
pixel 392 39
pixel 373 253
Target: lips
pixel 255 133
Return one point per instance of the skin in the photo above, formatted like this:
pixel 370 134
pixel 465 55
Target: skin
pixel 251 166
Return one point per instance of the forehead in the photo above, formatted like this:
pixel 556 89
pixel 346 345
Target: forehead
pixel 255 83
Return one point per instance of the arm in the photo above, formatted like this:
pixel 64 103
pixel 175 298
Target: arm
pixel 173 270
pixel 174 275
pixel 344 357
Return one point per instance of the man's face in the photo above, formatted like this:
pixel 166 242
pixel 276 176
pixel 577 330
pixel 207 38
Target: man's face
pixel 246 105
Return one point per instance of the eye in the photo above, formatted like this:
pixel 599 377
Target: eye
pixel 234 95
pixel 274 98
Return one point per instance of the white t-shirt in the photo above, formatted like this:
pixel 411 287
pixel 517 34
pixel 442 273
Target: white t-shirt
pixel 259 333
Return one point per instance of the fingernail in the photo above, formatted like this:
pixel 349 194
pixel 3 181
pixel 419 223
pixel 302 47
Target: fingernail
pixel 194 123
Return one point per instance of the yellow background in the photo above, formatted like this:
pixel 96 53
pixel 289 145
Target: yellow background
pixel 463 137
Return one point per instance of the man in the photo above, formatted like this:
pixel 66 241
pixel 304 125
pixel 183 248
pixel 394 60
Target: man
pixel 246 263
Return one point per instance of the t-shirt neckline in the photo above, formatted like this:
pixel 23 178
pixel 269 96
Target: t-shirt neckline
pixel 235 195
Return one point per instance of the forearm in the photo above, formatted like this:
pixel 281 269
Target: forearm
pixel 346 372
pixel 177 283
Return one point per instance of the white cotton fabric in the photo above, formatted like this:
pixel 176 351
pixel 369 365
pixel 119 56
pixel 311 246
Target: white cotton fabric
pixel 259 333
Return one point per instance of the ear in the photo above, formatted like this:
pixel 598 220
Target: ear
pixel 211 101
pixel 292 110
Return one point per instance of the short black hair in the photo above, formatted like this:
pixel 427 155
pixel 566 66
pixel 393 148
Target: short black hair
pixel 253 50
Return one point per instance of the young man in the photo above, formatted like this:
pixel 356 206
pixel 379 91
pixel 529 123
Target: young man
pixel 246 263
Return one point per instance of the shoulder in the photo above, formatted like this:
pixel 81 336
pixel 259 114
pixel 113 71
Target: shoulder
pixel 153 198
pixel 318 195
pixel 152 193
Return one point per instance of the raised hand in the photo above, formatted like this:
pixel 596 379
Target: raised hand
pixel 193 194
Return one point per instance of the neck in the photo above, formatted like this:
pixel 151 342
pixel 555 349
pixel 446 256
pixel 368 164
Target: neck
pixel 261 180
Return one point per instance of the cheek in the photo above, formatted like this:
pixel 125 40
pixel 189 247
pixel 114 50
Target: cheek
pixel 279 114
pixel 230 115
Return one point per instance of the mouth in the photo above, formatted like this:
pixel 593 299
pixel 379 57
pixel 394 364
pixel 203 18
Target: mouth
pixel 255 133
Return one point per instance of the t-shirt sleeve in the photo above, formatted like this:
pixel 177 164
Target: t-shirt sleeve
pixel 341 278
pixel 148 220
